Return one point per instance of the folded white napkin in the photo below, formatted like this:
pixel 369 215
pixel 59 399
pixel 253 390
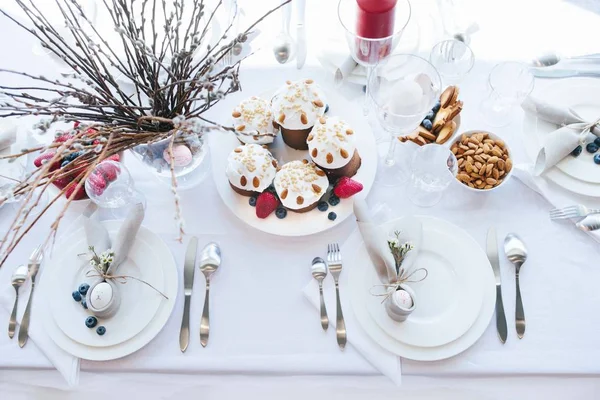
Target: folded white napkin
pixel 556 195
pixel 387 363
pixel 560 143
pixel 8 135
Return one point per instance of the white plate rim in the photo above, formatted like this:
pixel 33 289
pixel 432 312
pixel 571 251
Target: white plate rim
pixel 313 221
pixel 136 343
pixel 428 353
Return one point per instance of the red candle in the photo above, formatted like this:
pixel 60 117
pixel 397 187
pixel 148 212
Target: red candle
pixel 375 18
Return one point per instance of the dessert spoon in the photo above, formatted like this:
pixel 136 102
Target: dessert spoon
pixel 210 260
pixel 18 278
pixel 284 44
pixel 319 272
pixel 515 251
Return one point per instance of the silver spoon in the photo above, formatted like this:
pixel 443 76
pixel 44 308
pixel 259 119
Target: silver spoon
pixel 210 259
pixel 284 44
pixel 515 251
pixel 550 59
pixel 319 272
pixel 18 278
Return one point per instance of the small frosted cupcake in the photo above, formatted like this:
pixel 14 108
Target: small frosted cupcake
pixel 331 146
pixel 296 107
pixel 250 169
pixel 300 185
pixel 253 121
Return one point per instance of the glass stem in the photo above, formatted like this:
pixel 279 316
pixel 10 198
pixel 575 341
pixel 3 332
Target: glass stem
pixel 389 158
pixel 367 90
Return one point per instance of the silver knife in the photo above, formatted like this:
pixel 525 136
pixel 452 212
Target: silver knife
pixel 34 266
pixel 300 33
pixel 492 253
pixel 188 283
pixel 563 73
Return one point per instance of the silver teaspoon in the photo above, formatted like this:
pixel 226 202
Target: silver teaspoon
pixel 18 278
pixel 319 272
pixel 210 260
pixel 515 251
pixel 284 45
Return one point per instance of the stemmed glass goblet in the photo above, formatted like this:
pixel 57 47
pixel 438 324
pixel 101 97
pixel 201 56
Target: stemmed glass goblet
pixel 372 37
pixel 403 91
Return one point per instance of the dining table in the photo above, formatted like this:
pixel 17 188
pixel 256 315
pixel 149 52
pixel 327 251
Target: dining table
pixel 266 340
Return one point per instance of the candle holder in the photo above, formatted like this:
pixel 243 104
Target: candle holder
pixel 403 91
pixel 373 29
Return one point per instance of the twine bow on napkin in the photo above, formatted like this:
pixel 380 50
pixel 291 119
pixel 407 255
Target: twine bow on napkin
pixel 573 131
pixel 390 288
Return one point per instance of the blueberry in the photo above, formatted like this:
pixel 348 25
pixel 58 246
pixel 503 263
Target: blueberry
pixel 252 201
pixel 577 151
pixel 334 200
pixel 364 89
pixel 597 158
pixel 430 115
pixel 326 108
pixel 322 206
pixel 591 147
pixel 64 163
pixel 597 141
pixel 83 288
pixel 100 330
pixel 76 295
pixel 84 304
pixel 332 216
pixel 427 124
pixel 281 213
pixel 91 322
pixel 436 107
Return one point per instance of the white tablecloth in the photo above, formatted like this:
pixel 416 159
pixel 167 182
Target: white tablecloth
pixel 265 337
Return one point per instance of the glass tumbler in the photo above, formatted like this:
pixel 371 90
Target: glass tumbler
pixel 453 60
pixel 509 84
pixel 433 167
pixel 110 186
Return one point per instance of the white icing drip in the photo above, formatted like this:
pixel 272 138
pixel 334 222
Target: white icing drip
pixel 257 119
pixel 298 178
pixel 250 161
pixel 331 138
pixel 296 98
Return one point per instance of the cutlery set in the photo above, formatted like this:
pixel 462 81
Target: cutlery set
pixel 590 221
pixel 319 271
pixel 19 277
pixel 210 260
pixel 515 251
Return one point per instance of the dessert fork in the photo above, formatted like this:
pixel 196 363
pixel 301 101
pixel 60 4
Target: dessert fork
pixel 334 261
pixel 572 212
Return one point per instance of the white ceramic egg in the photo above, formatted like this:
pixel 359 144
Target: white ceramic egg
pixel 182 155
pixel 403 299
pixel 101 295
pixel 407 97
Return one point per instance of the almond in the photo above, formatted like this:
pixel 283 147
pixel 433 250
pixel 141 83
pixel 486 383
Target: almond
pixel 288 82
pixel 238 150
pixel 349 132
pixel 468 167
pixel 240 128
pixel 243 180
pixel 284 194
pixel 491 181
pixel 317 103
pixel 281 118
pixel 478 165
pixel 501 165
pixel 309 138
pixel 255 182
pixel 305 161
pixel 320 172
pixel 314 153
pixel 495 174
pixel 316 188
pixel 488 187
pixel 300 200
pixel 477 157
pixel 496 152
pixel 308 82
pixel 473 139
pixel 303 118
pixel 463 177
pixel 488 169
pixel 479 151
pixel 508 165
pixel 236 114
pixel 472 145
pixel 274 163
pixel 343 153
pixel 470 152
pixel 486 148
pixel 499 143
pixel 493 159
pixel 329 158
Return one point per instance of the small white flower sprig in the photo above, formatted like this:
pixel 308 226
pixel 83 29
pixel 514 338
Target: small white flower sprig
pixel 399 251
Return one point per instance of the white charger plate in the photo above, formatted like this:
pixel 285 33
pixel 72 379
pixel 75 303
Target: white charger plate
pixel 139 302
pixel 315 221
pixel 576 174
pixel 171 283
pixel 359 298
pixel 448 301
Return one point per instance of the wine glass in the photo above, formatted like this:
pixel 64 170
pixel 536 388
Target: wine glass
pixel 453 59
pixel 403 91
pixel 372 36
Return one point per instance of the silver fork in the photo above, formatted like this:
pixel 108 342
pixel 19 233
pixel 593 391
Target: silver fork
pixel 572 212
pixel 334 261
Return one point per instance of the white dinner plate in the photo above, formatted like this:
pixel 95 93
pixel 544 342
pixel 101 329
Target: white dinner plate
pixel 315 221
pixel 170 282
pixel 448 301
pixel 139 302
pixel 360 298
pixel 576 174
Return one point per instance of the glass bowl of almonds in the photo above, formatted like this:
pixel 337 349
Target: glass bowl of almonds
pixel 484 160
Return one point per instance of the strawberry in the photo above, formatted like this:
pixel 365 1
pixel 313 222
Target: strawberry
pixel 76 124
pixel 39 161
pixel 77 195
pixel 109 170
pixel 114 157
pixel 97 183
pixel 266 203
pixel 63 138
pixel 61 183
pixel 347 187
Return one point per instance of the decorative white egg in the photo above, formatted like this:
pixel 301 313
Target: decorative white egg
pixel 182 155
pixel 407 98
pixel 101 295
pixel 403 299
